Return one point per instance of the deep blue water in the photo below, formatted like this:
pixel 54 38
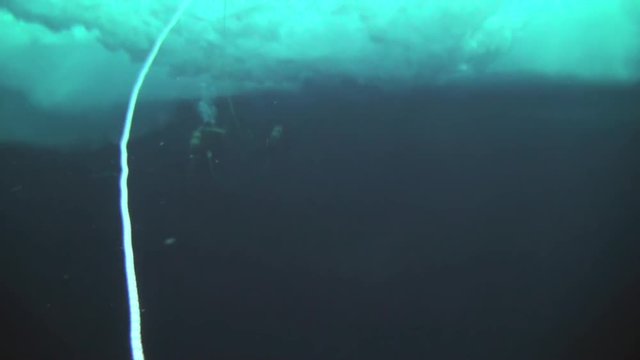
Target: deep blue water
pixel 442 223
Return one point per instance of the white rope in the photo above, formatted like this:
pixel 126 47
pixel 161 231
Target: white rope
pixel 135 333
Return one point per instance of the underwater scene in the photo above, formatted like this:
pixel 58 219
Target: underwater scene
pixel 339 179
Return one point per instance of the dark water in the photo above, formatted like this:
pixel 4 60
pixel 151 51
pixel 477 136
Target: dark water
pixel 447 223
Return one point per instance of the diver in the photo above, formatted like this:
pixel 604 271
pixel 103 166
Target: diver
pixel 208 142
pixel 275 145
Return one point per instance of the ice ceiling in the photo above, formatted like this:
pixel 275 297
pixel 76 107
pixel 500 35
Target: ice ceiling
pixel 80 56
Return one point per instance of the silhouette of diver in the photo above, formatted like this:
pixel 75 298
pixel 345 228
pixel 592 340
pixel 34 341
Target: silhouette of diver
pixel 276 145
pixel 207 145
